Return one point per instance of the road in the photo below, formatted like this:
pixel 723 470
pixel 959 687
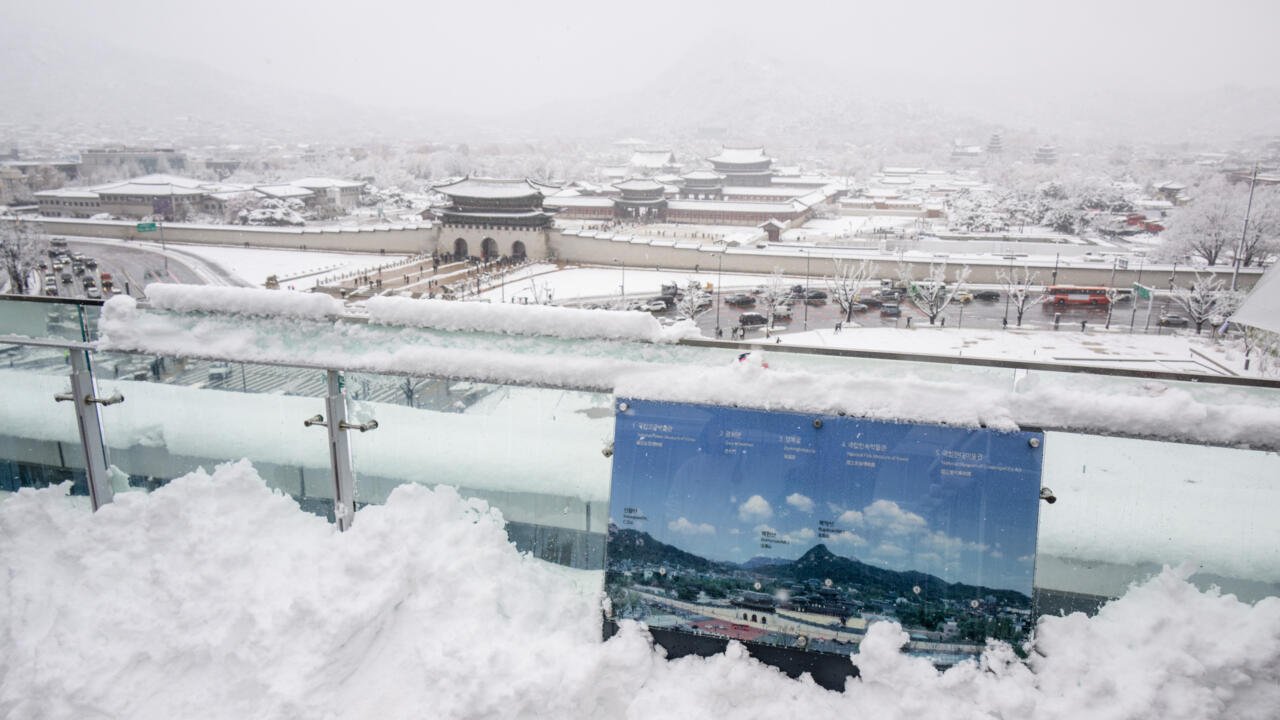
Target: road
pixel 976 314
pixel 133 266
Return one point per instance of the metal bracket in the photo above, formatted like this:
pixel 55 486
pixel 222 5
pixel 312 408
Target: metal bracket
pixel 114 399
pixel 362 427
pixel 315 420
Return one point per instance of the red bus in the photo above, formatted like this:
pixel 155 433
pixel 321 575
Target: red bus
pixel 1075 295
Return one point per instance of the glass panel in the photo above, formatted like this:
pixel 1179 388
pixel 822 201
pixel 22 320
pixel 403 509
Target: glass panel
pixel 536 454
pixel 1126 507
pixel 182 414
pixel 39 439
pixel 41 319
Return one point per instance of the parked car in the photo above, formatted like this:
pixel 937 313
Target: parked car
pixel 782 312
pixel 654 306
pixel 219 371
pixel 741 300
pixel 1172 320
pixel 858 307
pixel 986 295
pixel 752 319
pixel 815 295
pixel 963 296
pixel 890 310
pixel 870 301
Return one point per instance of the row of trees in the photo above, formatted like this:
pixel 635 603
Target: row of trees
pixel 22 244
pixel 1212 227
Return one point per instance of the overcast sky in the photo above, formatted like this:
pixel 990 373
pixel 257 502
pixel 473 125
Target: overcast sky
pixel 487 54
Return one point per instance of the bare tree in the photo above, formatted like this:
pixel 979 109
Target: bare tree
pixel 845 284
pixel 1018 286
pixel 1205 300
pixel 21 245
pixel 693 302
pixel 1263 344
pixel 932 295
pixel 542 293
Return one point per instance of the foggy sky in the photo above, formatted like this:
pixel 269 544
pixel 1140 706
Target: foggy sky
pixel 490 54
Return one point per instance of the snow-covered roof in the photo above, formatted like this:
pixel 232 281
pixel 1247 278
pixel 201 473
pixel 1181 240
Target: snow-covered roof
pixel 488 188
pixel 69 193
pixel 582 201
pixel 284 191
pixel 149 189
pixel 321 183
pixel 640 185
pixel 655 159
pixel 165 179
pixel 703 175
pixel 741 155
pixel 719 206
pixel 765 191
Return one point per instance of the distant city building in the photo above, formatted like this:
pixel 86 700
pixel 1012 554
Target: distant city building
pixel 341 194
pixel 966 154
pixel 175 198
pixel 149 160
pixel 1045 155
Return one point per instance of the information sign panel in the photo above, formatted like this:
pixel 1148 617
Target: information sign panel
pixel 800 530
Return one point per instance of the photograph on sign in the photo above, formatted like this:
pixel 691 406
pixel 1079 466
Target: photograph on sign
pixel 787 529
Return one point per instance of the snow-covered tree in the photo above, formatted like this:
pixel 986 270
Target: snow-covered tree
pixel 692 302
pixel 844 285
pixel 1018 286
pixel 1205 301
pixel 1262 237
pixel 1210 227
pixel 775 293
pixel 932 295
pixel 21 245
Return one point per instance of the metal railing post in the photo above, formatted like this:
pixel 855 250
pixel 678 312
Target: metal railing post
pixel 335 404
pixel 86 401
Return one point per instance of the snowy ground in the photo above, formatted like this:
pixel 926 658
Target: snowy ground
pixel 291 266
pixel 253 265
pixel 213 597
pixel 578 283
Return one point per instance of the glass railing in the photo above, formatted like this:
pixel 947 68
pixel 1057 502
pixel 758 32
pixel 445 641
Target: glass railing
pixel 1124 503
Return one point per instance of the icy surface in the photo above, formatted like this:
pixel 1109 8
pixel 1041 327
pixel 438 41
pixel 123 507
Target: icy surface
pixel 243 301
pixel 548 320
pixel 214 598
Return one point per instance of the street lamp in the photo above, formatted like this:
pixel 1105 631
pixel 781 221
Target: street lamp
pixel 622 289
pixel 806 288
pixel 1007 293
pixel 719 288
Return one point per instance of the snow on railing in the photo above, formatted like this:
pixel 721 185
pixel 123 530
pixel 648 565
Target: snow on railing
pixel 241 301
pixel 545 320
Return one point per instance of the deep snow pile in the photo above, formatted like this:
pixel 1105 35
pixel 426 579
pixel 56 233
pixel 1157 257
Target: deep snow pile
pixel 214 598
pixel 242 301
pixel 546 320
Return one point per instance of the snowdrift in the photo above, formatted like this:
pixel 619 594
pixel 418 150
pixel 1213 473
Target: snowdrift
pixel 215 598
